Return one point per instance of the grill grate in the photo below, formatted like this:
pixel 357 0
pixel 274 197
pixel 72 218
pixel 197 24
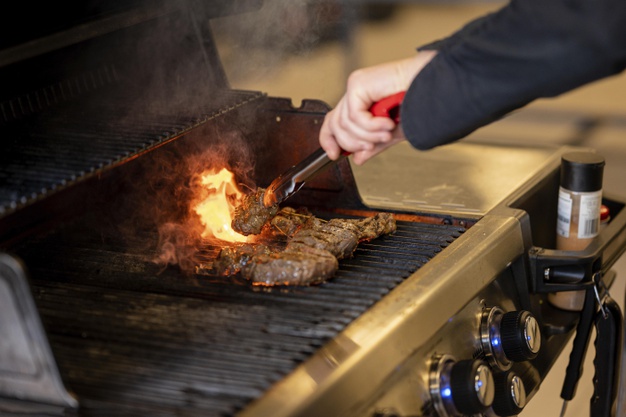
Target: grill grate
pixel 131 340
pixel 50 151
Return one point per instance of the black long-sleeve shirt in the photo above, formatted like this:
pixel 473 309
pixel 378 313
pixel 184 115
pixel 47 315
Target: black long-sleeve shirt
pixel 529 49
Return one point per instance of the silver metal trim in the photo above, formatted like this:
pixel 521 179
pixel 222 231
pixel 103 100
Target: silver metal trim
pixel 345 375
pixel 532 334
pixel 490 328
pixel 437 368
pixel 28 370
pixel 349 369
pixel 518 392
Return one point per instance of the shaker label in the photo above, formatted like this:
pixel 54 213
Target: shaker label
pixel 564 214
pixel 589 217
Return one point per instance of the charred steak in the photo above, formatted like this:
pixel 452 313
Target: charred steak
pixel 311 255
pixel 341 236
pixel 304 266
pixel 250 217
pixel 288 220
pixel 231 260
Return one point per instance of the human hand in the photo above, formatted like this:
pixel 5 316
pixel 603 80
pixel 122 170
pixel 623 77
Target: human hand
pixel 351 127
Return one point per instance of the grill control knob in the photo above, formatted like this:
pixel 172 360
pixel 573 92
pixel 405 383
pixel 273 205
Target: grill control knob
pixel 460 388
pixel 510 397
pixel 509 337
pixel 521 338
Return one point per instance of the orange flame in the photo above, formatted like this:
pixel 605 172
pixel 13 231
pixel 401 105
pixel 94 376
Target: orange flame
pixel 216 209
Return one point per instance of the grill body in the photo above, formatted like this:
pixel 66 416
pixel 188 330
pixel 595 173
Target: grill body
pixel 99 152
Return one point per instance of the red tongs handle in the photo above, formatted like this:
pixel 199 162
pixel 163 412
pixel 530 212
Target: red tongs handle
pixel 389 107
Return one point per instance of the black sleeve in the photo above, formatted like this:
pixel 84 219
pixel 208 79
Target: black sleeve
pixel 529 49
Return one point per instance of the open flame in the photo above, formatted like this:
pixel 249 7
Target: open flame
pixel 215 210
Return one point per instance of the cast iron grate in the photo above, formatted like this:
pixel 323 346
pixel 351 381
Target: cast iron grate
pixel 47 152
pixel 133 340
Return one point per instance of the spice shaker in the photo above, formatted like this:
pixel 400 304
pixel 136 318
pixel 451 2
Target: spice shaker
pixel 578 212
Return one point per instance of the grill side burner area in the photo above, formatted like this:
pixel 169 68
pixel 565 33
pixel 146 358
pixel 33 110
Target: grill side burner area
pixel 105 128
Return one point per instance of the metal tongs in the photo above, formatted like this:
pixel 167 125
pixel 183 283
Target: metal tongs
pixel 599 309
pixel 288 183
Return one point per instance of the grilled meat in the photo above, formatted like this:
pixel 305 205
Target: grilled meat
pixel 288 220
pixel 311 255
pixel 301 266
pixel 232 259
pixel 341 236
pixel 373 227
pixel 250 217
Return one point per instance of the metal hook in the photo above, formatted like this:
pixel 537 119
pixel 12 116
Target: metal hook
pixel 597 279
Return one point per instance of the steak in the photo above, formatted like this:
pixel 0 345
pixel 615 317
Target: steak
pixel 250 217
pixel 231 260
pixel 294 266
pixel 288 220
pixel 341 236
pixel 373 227
pixel 311 254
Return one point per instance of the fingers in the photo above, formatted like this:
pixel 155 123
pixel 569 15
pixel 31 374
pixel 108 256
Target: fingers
pixel 351 127
pixel 356 129
pixel 327 139
pixel 356 123
pixel 361 151
pixel 361 157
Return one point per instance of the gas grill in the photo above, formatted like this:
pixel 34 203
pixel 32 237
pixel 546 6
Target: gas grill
pixel 103 124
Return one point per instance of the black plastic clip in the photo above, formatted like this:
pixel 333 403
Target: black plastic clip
pixel 558 270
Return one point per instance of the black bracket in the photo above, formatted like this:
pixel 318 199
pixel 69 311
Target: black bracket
pixel 558 270
pixel 554 270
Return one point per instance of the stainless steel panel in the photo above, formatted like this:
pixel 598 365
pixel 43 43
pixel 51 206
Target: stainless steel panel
pixel 348 372
pixel 463 179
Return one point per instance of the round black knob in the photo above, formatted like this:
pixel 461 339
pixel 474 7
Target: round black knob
pixel 521 337
pixel 472 387
pixel 510 397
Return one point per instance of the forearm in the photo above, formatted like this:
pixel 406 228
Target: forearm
pixel 528 50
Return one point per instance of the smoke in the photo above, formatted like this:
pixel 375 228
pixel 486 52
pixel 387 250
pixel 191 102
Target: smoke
pixel 155 198
pixel 279 29
pixel 177 246
pixel 174 59
pixel 180 230
pixel 169 83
